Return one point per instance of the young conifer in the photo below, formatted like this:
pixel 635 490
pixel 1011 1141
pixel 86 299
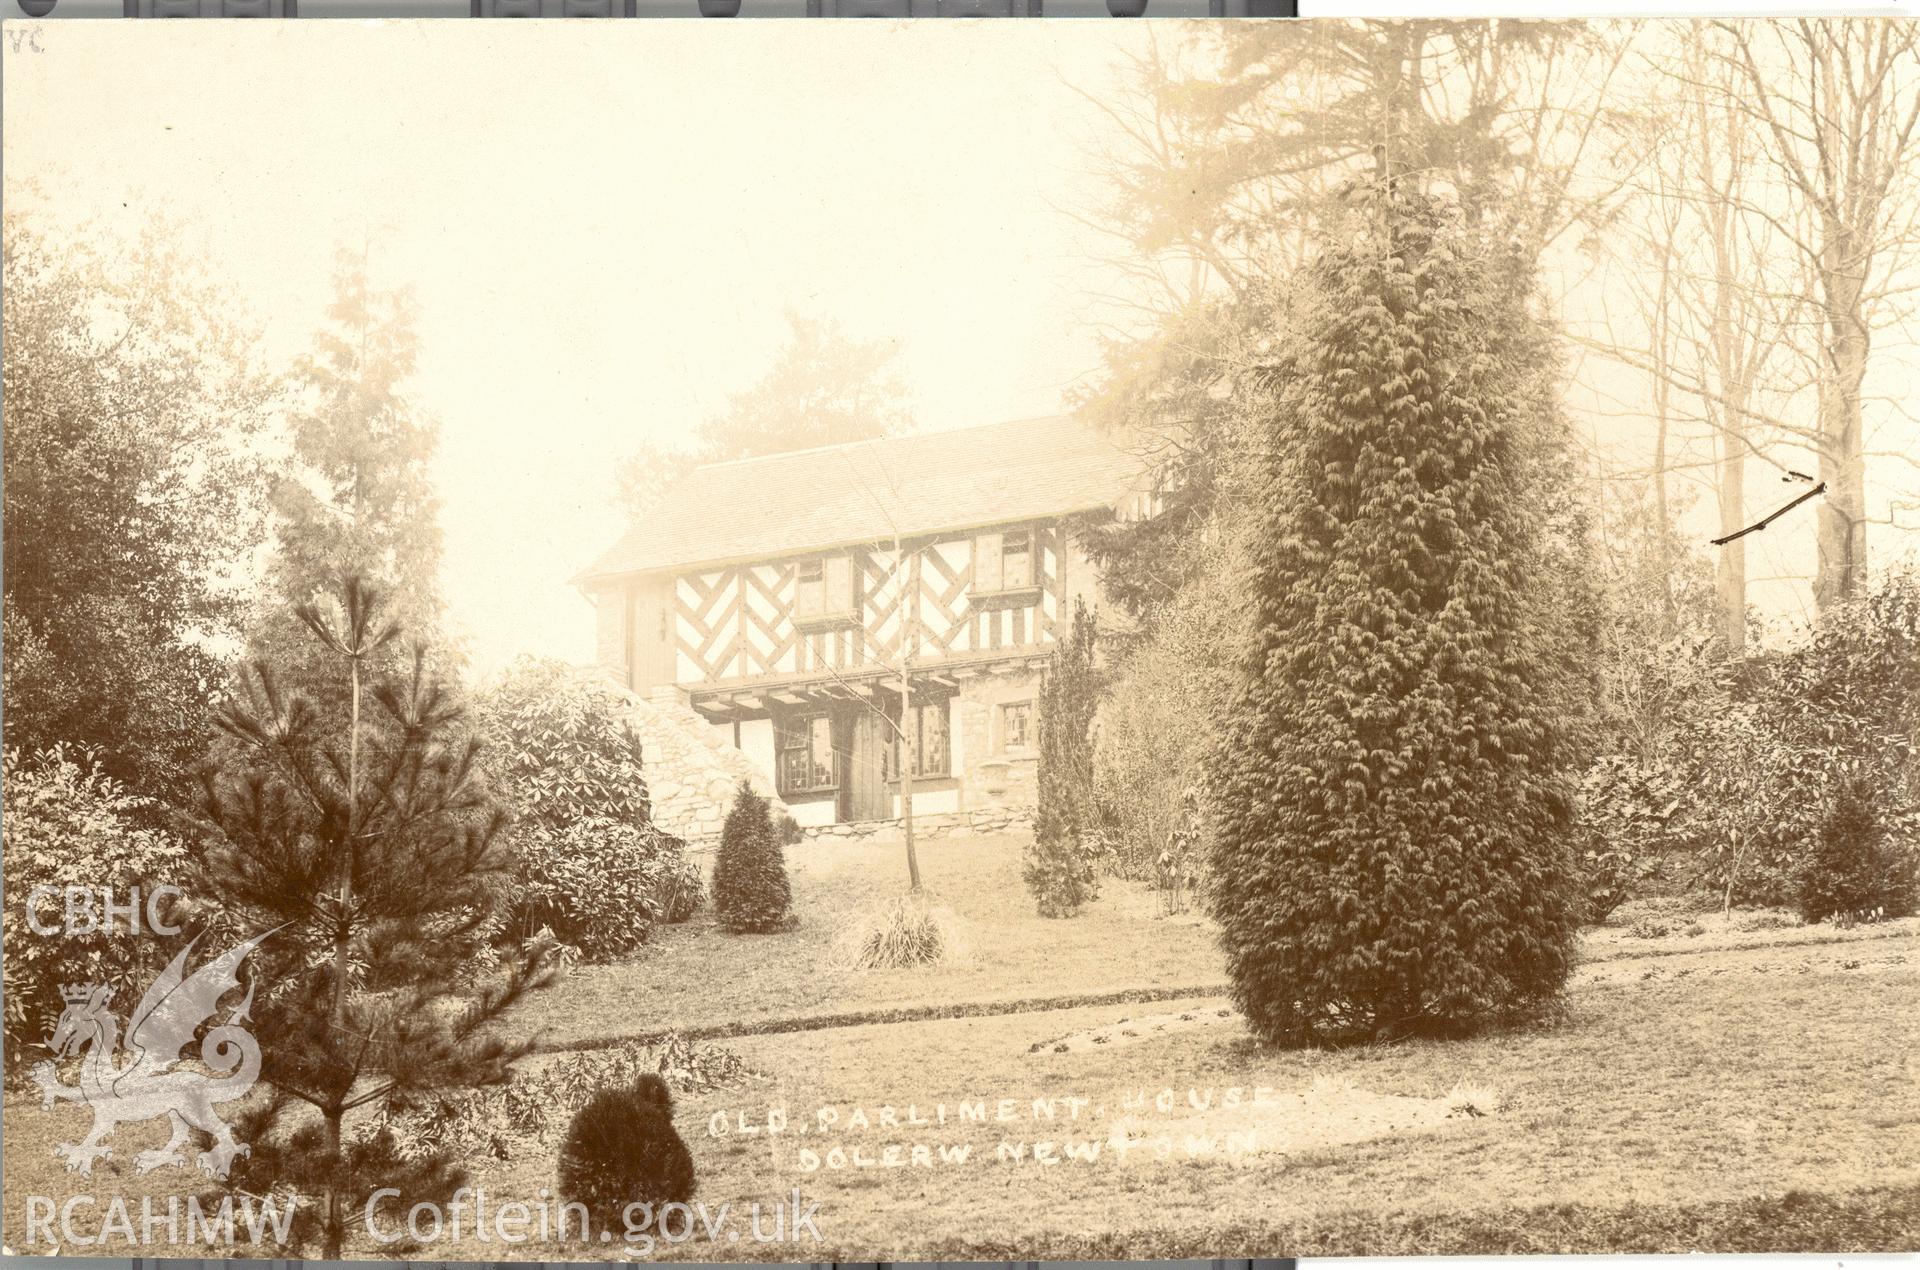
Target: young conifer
pixel 372 854
pixel 750 890
pixel 1060 868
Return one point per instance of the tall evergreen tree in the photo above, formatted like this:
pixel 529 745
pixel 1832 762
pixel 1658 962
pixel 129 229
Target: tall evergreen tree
pixel 1060 868
pixel 370 851
pixel 1391 808
pixel 1235 154
pixel 356 499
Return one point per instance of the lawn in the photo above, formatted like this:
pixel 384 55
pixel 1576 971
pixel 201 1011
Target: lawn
pixel 1710 1088
pixel 694 974
pixel 1714 1083
pixel 1721 1100
pixel 696 978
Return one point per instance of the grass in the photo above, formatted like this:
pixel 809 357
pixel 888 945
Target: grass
pixel 1758 1070
pixel 696 979
pixel 1868 1220
pixel 694 974
pixel 1766 1106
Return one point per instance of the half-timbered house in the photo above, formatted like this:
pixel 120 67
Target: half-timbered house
pixel 782 600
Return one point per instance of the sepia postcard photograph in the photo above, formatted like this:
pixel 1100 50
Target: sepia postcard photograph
pixel 996 641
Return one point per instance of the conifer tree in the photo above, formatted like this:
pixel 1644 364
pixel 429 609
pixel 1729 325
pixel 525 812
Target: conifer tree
pixel 372 853
pixel 1060 866
pixel 1390 801
pixel 750 889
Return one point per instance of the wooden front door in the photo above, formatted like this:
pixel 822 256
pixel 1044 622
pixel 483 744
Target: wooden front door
pixel 867 796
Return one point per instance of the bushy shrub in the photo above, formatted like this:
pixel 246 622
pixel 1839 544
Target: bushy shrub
pixel 66 823
pixel 1150 749
pixel 527 1114
pixel 1060 866
pixel 560 749
pixel 1734 770
pixel 1606 882
pixel 598 885
pixel 622 1149
pixel 750 889
pixel 590 863
pixel 1160 705
pixel 1853 873
pixel 1390 804
pixel 787 829
pixel 1627 809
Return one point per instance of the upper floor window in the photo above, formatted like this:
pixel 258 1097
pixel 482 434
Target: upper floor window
pixel 824 592
pixel 1003 564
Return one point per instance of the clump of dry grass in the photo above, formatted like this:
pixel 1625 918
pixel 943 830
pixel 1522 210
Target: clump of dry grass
pixel 1472 1100
pixel 910 930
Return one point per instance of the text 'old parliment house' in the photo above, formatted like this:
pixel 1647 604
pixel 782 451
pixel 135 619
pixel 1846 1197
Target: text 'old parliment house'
pixel 771 606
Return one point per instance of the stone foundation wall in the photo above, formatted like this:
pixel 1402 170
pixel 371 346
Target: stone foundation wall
pixel 692 773
pixel 959 824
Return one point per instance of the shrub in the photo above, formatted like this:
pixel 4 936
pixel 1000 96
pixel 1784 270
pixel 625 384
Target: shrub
pixel 589 862
pixel 787 829
pixel 1060 863
pixel 559 748
pixel 622 1149
pixel 1733 767
pixel 1853 872
pixel 1149 751
pixel 66 823
pixel 598 885
pixel 1390 810
pixel 529 1112
pixel 750 890
pixel 1606 881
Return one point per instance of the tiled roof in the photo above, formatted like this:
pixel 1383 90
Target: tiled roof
pixel 845 495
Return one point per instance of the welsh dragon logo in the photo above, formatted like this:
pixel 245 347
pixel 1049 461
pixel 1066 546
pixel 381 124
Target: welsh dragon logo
pixel 139 1081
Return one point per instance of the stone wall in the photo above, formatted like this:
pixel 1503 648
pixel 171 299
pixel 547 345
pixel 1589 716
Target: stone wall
pixel 993 773
pixel 692 772
pixel 958 824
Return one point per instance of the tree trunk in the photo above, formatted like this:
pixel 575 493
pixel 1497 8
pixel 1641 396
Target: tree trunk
pixel 1730 566
pixel 1729 345
pixel 336 1218
pixel 909 582
pixel 342 935
pixel 1841 524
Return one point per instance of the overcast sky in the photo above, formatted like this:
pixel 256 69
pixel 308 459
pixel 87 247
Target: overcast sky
pixel 603 223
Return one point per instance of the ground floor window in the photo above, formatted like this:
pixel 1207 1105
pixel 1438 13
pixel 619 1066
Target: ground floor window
pixel 927 742
pixel 1016 725
pixel 806 755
